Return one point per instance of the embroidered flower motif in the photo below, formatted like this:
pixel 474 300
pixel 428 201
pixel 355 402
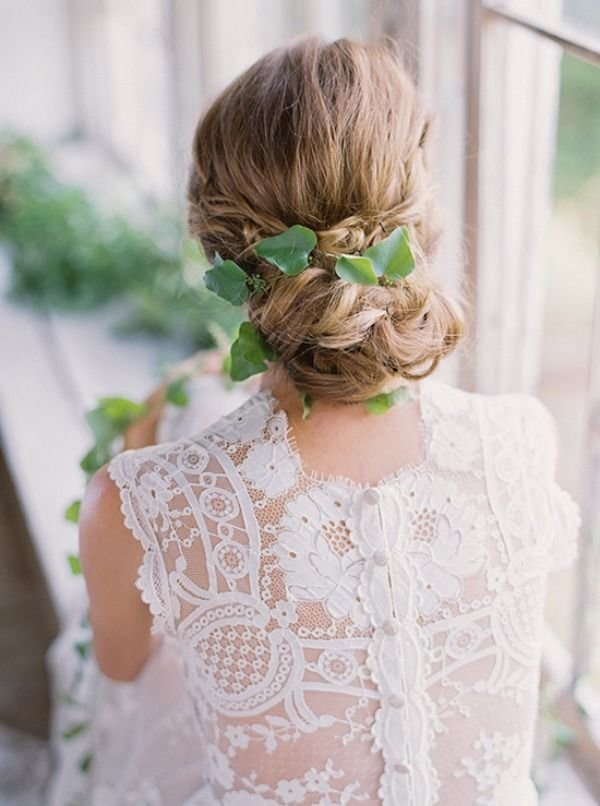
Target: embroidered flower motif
pixel 463 641
pixel 271 468
pixel 237 737
pixel 316 551
pixel 193 459
pixel 338 667
pixel 317 781
pixel 231 559
pixel 246 423
pixel 154 495
pixel 448 544
pixel 497 767
pixel 219 769
pixel 285 614
pixel 276 426
pixel 453 446
pixel 219 504
pixel 290 791
pixel 443 562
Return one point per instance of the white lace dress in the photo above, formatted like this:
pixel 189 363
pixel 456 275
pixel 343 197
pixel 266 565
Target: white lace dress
pixel 342 643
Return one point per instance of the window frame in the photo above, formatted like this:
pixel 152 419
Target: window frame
pixel 563 667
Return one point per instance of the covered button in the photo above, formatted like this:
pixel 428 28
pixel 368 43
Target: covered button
pixel 371 496
pixel 391 626
pixel 396 700
pixel 381 557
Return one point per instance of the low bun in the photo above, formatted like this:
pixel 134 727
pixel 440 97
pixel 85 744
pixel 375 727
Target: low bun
pixel 330 136
pixel 345 342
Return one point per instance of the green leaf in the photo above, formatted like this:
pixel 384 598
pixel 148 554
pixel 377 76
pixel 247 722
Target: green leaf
pixel 240 368
pixel 356 269
pixel 83 648
pixel 74 564
pixel 75 730
pixel 122 411
pixel 563 736
pixel 177 393
pixel 85 763
pixel 290 250
pixel 68 699
pixel 383 402
pixel 392 257
pixel 112 416
pixel 254 347
pixel 249 353
pixel 72 512
pixel 94 459
pixel 306 405
pixel 228 281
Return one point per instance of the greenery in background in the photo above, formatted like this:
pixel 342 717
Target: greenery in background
pixel 577 152
pixel 68 255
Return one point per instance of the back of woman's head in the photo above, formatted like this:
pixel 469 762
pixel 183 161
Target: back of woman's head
pixel 330 136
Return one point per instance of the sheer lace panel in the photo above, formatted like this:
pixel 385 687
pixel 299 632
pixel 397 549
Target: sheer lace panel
pixel 345 644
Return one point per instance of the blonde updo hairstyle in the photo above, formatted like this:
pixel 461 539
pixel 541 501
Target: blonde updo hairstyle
pixel 330 136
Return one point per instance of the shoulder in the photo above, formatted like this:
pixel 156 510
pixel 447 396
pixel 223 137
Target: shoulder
pixel 108 513
pixel 100 510
pixel 526 408
pixel 529 417
pixel 518 415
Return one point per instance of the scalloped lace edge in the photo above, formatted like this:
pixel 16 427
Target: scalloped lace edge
pixel 121 477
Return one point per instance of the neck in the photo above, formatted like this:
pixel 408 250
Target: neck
pixel 278 383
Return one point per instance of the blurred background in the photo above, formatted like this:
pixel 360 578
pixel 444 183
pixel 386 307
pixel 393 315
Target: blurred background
pixel 100 292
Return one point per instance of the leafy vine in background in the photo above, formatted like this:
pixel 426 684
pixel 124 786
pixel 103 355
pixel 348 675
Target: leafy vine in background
pixel 108 422
pixel 67 254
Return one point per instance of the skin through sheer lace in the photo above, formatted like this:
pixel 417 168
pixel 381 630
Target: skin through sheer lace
pixel 346 643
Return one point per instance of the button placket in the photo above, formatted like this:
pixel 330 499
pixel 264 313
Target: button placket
pixel 391 626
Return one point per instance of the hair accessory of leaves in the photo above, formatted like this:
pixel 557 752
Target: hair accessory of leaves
pixel 388 261
pixel 289 251
pixel 391 259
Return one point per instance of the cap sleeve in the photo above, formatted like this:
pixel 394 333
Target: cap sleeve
pixel 140 488
pixel 557 515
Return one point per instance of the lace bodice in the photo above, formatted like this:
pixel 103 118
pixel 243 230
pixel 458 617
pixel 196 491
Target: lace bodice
pixel 352 644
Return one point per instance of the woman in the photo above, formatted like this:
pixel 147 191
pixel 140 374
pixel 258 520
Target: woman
pixel 358 598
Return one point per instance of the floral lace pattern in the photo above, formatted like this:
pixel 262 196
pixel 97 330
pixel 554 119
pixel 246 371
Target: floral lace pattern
pixel 348 644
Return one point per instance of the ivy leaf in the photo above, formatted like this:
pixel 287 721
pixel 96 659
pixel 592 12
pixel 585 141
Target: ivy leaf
pixel 176 392
pixel 240 368
pixel 75 730
pixel 74 564
pixel 72 512
pixel 68 699
pixel 120 410
pixel 249 353
pixel 228 281
pixel 254 347
pixel 383 402
pixel 83 648
pixel 392 257
pixel 290 250
pixel 306 405
pixel 85 763
pixel 94 459
pixel 356 269
pixel 112 416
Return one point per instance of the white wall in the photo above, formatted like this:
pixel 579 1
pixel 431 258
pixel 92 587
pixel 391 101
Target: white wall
pixel 35 83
